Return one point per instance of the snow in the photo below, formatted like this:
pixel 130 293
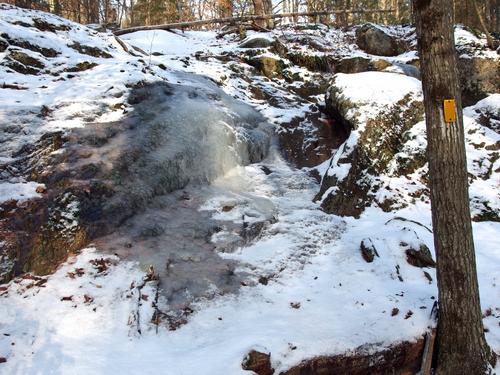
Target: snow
pixel 344 302
pixel 470 45
pixel 171 43
pixel 19 191
pixel 377 88
pixel 306 257
pixel 74 98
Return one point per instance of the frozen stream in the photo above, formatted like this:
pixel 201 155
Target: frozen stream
pixel 198 238
pixel 198 178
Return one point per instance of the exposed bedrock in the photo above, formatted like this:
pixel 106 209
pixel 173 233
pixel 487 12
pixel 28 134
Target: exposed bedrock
pixel 403 358
pixel 352 181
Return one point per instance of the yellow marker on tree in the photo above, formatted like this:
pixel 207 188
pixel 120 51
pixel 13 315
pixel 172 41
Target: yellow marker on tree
pixel 450 110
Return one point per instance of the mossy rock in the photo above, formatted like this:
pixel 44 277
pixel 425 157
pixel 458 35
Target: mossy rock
pixel 337 106
pixel 408 165
pixel 369 157
pixel 23 63
pixel 384 135
pixel 314 63
pixel 360 64
pixel 46 52
pixel 91 51
pixel 51 249
pixel 268 66
pixel 80 67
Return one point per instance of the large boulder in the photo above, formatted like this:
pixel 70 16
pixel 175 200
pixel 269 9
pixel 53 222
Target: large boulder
pixel 268 66
pixel 256 42
pixel 373 40
pixel 378 109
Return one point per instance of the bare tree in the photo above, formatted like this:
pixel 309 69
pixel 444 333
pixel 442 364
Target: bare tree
pixel 483 25
pixel 462 347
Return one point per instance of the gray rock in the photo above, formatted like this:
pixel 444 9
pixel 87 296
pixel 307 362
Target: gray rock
pixel 257 42
pixel 408 69
pixel 375 41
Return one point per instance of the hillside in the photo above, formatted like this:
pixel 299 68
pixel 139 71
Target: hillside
pixel 171 201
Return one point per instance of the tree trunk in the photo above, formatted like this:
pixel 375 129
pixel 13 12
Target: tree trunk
pixel 225 8
pixel 258 9
pixel 497 16
pixel 268 9
pixel 480 18
pixel 462 347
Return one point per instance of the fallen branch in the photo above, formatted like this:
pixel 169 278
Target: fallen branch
pixel 121 43
pixel 182 25
pixel 430 338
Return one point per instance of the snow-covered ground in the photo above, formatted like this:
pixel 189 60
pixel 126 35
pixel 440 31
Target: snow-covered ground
pixel 309 291
pixel 319 297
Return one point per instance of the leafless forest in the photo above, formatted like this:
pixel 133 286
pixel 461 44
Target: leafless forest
pixel 478 14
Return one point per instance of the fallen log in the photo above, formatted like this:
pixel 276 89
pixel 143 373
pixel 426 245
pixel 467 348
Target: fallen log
pixel 186 24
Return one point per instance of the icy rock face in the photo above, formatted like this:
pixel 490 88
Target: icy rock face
pixel 174 135
pixel 179 135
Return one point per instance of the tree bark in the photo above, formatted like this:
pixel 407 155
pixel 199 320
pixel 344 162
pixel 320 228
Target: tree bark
pixel 462 347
